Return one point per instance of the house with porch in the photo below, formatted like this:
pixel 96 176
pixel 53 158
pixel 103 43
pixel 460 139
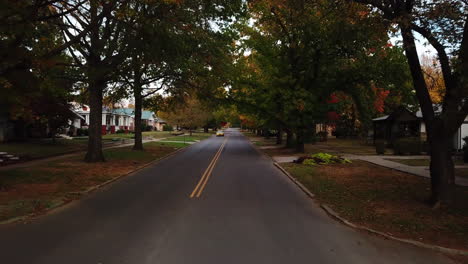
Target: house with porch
pixel 152 120
pixel 405 123
pixel 148 118
pixel 159 124
pixel 114 120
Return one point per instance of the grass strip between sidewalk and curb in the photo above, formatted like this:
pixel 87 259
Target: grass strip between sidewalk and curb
pixel 27 193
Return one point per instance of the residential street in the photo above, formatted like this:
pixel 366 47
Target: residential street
pixel 218 201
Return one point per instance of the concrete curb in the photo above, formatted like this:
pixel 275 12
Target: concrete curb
pixel 335 215
pixel 90 190
pixel 299 184
pixel 452 251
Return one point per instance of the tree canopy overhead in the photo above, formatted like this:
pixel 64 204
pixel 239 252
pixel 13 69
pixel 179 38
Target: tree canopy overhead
pixel 302 52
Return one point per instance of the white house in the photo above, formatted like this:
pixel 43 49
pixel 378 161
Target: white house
pixel 113 120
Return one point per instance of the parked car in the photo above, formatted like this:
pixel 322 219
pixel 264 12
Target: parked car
pixel 220 133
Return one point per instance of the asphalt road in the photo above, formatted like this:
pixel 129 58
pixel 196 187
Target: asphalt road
pixel 246 212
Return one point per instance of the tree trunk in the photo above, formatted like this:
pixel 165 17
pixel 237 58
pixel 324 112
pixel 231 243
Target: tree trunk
pixel 289 139
pixel 310 135
pixel 442 171
pixel 94 153
pixel 279 136
pixel 97 84
pixel 190 131
pixel 300 136
pixel 138 145
pixel 440 139
pixel 53 132
pixel 205 129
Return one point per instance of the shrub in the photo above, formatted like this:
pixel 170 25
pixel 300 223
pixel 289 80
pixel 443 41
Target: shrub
pixel 120 131
pixel 309 162
pixel 380 147
pixel 426 147
pixel 82 132
pixel 322 136
pixel 321 159
pixel 168 128
pixel 397 148
pixel 145 127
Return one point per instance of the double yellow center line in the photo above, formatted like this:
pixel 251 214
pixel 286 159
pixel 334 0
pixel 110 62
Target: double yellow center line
pixel 206 176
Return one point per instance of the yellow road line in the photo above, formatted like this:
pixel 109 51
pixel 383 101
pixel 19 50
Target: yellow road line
pixel 206 175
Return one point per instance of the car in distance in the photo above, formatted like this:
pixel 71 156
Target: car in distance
pixel 220 133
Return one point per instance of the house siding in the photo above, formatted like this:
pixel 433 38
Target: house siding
pixel 117 119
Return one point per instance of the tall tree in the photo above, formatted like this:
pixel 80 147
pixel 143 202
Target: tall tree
pixel 32 64
pixel 444 25
pixel 102 47
pixel 189 113
pixel 302 52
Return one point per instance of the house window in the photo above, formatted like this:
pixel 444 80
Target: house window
pixel 108 119
pixel 117 120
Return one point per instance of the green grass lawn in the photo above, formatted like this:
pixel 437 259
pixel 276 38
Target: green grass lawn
pixel 36 188
pixel 339 145
pixel 157 134
pixel 387 200
pixel 332 145
pixel 35 149
pixel 119 136
pixel 195 137
pixel 266 142
pixel 42 148
pixel 146 134
pixel 170 144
